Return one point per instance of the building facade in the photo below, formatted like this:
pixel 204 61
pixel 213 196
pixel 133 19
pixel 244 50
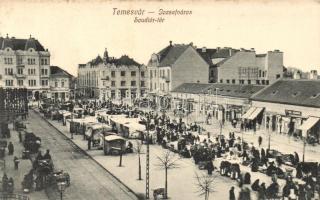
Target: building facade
pixel 24 63
pixel 291 107
pixel 233 66
pixel 112 78
pixel 225 102
pixel 60 84
pixel 174 65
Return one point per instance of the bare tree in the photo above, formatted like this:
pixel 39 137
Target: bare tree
pixel 205 185
pixel 139 150
pixel 168 160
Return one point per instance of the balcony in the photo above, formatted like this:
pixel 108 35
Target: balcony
pixel 167 79
pixel 105 78
pixel 44 75
pixel 20 76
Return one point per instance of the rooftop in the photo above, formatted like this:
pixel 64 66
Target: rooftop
pixel 57 71
pixel 241 91
pixel 170 54
pixel 20 44
pixel 294 92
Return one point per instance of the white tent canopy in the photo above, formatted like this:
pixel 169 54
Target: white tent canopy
pixel 255 113
pixel 248 113
pixel 309 123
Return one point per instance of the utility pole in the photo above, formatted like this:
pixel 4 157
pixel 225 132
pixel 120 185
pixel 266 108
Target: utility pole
pixel 269 137
pixel 148 157
pixel 304 149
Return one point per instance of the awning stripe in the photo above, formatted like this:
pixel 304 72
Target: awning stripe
pixel 255 113
pixel 309 123
pixel 248 113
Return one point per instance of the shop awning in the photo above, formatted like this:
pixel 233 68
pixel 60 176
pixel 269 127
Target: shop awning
pixel 309 123
pixel 255 113
pixel 248 113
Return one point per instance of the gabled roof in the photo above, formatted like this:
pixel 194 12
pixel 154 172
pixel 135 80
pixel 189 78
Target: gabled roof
pixel 240 91
pixel 20 44
pixel 293 92
pixel 124 60
pixel 206 54
pixel 170 54
pixel 57 71
pixel 96 61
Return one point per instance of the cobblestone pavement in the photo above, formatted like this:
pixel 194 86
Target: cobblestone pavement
pixel 88 179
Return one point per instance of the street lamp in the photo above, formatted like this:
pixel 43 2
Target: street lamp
pixel 147 159
pixel 304 149
pixel 61 188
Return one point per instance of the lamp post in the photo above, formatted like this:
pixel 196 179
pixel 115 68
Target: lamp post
pixel 61 188
pixel 304 149
pixel 147 159
pixel 269 134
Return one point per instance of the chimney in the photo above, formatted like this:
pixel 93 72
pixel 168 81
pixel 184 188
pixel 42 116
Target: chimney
pixel 230 52
pixel 218 48
pixel 204 49
pixel 313 74
pixel 297 75
pixel 170 42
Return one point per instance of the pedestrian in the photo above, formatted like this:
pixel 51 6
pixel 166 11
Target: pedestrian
pixel 20 136
pixel 210 167
pixel 260 140
pixel 16 163
pixel 231 194
pixel 10 148
pixel 47 155
pixel 89 143
pixel 4 182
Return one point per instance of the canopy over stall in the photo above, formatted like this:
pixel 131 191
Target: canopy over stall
pixel 113 144
pixel 308 124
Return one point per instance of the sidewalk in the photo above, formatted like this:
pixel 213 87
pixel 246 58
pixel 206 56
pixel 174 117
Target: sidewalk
pixel 24 168
pixel 181 181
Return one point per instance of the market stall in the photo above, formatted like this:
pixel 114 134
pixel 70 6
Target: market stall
pixel 96 132
pixel 113 144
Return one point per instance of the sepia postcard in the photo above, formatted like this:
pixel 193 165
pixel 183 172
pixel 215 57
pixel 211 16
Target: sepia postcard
pixel 181 100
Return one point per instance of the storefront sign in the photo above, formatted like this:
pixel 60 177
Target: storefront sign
pixel 293 112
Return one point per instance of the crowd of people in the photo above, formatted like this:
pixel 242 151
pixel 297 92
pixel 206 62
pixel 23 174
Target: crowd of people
pixel 186 140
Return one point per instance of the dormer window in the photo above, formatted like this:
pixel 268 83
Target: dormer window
pixel 275 92
pixel 296 94
pixel 315 96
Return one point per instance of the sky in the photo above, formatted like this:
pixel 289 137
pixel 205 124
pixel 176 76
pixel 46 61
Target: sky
pixel 77 31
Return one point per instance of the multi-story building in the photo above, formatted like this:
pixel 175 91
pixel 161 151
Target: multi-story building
pixel 116 78
pixel 174 65
pixel 243 66
pixel 60 84
pixel 24 63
